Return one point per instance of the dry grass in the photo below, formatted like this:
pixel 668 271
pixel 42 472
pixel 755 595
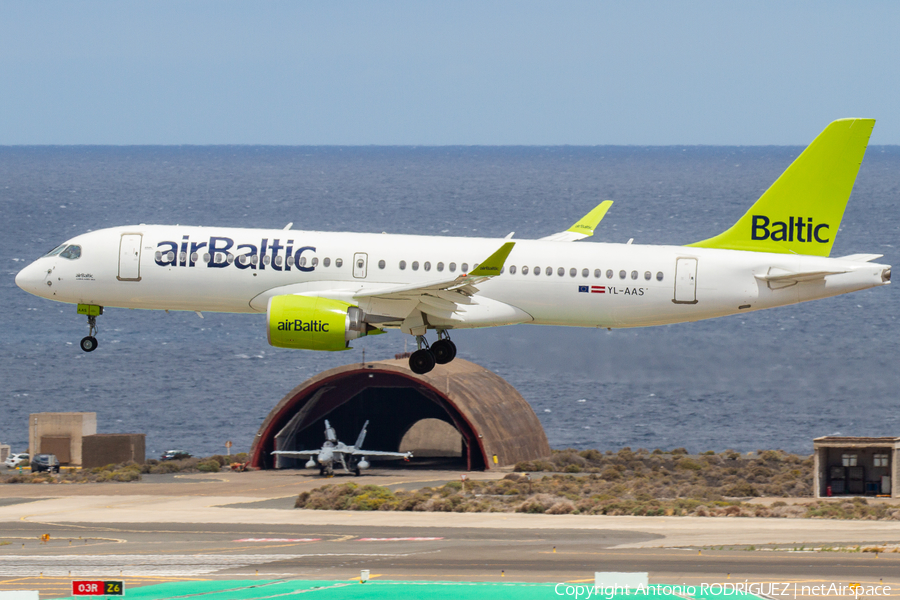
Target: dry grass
pixel 623 483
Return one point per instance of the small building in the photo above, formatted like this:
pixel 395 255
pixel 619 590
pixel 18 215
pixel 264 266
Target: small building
pixel 60 434
pixel 4 452
pixel 103 449
pixel 856 466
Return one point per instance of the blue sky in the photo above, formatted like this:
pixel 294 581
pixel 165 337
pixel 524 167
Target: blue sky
pixel 435 73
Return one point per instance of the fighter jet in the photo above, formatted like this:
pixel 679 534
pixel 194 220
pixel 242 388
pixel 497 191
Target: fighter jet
pixel 352 458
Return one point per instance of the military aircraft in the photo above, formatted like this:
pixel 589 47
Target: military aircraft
pixel 320 290
pixel 351 458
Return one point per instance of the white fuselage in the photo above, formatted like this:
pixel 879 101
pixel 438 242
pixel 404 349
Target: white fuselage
pixel 579 284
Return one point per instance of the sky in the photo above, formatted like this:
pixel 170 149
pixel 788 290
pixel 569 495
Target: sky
pixel 445 73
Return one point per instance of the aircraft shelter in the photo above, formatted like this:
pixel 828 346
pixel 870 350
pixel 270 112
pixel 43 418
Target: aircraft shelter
pixel 497 427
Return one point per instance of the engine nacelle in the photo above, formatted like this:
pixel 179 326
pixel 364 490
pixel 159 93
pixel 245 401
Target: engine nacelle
pixel 313 323
pixel 363 465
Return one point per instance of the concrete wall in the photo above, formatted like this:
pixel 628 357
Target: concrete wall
pixel 72 425
pixel 112 448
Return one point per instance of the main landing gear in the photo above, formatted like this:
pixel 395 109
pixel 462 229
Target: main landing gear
pixel 441 352
pixel 89 343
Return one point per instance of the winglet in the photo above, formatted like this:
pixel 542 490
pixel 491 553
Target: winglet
pixel 493 264
pixel 584 227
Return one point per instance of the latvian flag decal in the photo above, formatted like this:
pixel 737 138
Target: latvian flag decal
pixel 593 289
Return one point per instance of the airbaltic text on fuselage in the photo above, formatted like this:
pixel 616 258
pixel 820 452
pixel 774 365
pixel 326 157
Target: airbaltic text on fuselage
pixel 221 252
pixel 298 325
pixel 779 231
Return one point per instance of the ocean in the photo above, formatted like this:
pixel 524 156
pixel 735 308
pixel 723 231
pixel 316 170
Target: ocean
pixel 770 379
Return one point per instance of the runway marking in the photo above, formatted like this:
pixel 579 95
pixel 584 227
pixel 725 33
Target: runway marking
pixel 400 539
pixel 279 540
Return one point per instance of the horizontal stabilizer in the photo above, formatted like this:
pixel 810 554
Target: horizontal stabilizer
pixel 584 227
pixel 861 257
pixel 779 278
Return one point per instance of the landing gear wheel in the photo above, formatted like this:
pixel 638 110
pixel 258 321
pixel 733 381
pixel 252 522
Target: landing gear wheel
pixel 89 343
pixel 421 361
pixel 357 472
pixel 444 351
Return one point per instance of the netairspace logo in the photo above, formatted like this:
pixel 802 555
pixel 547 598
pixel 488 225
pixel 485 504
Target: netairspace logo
pixel 766 589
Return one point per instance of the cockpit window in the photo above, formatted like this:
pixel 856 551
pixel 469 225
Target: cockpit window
pixel 72 252
pixel 56 250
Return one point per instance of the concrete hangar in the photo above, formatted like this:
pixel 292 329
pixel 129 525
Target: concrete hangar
pixel 460 403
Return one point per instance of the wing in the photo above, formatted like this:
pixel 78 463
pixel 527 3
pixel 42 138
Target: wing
pixel 381 454
pixel 297 452
pixel 584 227
pixel 441 298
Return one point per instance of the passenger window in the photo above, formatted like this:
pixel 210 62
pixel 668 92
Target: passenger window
pixel 267 259
pixel 440 266
pixel 475 266
pixel 381 264
pixel 338 262
pixel 465 267
pixel 648 275
pixel 278 260
pixel 548 271
pixel 302 262
pixel 72 252
pixel 512 270
pixel 229 260
pixel 206 257
pixel 453 267
pixel 573 272
pixel 634 274
pixel 561 271
pixel 524 270
pixel 315 261
pixel 290 260
pixel 609 273
pixel 182 256
pixel 622 274
pixel 402 265
pixel 254 259
pixel 427 266
pixel 659 276
pixel 242 259
pixel 195 257
pixel 585 272
pixel 415 265
pixel 598 273
pixel 537 270
pixel 326 262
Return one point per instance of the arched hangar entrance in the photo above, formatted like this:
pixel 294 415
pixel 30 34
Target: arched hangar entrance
pixel 496 425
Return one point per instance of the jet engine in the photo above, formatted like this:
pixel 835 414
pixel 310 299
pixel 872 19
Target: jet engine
pixel 313 323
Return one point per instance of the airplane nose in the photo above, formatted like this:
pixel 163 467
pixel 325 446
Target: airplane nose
pixel 31 279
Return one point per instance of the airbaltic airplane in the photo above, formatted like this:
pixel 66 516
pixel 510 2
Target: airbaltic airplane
pixel 320 290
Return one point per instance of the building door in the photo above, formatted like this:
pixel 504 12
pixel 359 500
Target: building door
pixel 130 257
pixel 685 281
pixel 360 262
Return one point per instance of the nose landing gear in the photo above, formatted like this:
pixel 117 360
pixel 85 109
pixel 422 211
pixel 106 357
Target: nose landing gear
pixel 89 343
pixel 441 352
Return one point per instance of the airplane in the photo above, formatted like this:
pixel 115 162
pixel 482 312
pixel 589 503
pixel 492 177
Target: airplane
pixel 321 290
pixel 352 458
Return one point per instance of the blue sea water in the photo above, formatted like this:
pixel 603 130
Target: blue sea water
pixel 771 379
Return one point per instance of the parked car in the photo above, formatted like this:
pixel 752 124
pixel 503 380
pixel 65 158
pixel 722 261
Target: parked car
pixel 17 460
pixel 44 462
pixel 174 455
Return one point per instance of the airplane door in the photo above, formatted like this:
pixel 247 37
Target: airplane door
pixel 360 262
pixel 685 281
pixel 130 257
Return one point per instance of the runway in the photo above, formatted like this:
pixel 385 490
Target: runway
pixel 195 530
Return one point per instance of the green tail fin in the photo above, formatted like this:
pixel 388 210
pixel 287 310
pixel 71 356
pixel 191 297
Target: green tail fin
pixel 801 212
